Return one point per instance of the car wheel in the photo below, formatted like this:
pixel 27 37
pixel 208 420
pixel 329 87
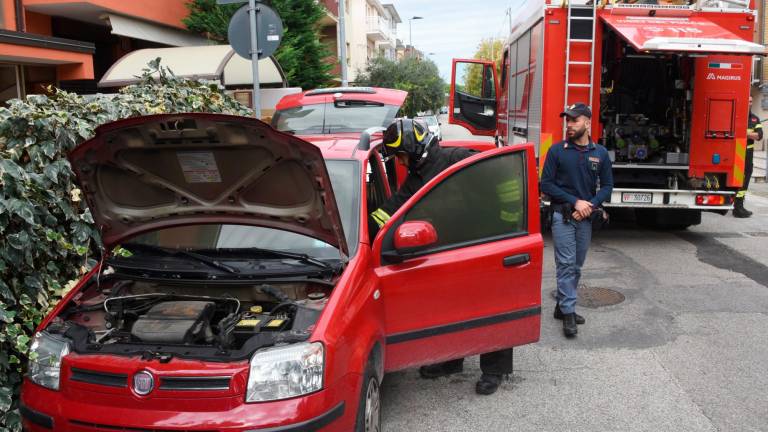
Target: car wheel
pixel 369 409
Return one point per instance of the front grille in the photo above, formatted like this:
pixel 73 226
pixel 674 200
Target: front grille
pixel 99 378
pixel 81 426
pixel 194 383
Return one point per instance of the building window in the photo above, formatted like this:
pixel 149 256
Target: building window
pixel 9 83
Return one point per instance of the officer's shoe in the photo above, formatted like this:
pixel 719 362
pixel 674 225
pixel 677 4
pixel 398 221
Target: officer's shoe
pixel 488 384
pixel 559 315
pixel 569 325
pixel 741 213
pixel 440 370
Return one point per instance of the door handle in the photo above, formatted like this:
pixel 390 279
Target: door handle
pixel 516 260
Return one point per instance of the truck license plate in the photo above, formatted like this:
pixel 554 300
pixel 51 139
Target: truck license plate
pixel 637 197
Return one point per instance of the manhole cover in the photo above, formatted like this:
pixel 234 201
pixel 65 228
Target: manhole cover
pixel 593 297
pixel 757 234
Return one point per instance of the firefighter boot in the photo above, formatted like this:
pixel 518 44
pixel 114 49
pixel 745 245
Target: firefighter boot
pixel 559 315
pixel 738 209
pixel 442 369
pixel 488 384
pixel 569 325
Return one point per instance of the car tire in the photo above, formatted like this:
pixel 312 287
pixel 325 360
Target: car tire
pixel 369 408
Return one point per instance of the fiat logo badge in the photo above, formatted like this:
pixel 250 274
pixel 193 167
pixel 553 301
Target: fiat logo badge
pixel 143 383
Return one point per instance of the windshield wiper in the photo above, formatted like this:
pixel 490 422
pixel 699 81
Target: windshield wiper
pixel 175 252
pixel 276 253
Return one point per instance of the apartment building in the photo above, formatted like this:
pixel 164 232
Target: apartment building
pixel 371 31
pixel 72 43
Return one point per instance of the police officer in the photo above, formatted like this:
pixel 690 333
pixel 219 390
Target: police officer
pixel 419 150
pixel 754 132
pixel 572 172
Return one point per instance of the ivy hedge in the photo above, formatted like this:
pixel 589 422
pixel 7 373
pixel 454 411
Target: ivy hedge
pixel 47 237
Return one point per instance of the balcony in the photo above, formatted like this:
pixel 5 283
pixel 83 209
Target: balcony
pixel 379 29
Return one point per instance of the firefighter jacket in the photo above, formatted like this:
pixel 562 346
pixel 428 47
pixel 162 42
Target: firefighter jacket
pixel 437 160
pixel 754 126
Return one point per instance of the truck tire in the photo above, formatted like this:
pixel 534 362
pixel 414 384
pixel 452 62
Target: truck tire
pixel 369 408
pixel 667 219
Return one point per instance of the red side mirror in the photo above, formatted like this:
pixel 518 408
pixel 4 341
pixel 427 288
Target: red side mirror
pixel 414 235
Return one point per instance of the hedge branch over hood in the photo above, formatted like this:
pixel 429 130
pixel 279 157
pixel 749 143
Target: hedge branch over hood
pixel 47 236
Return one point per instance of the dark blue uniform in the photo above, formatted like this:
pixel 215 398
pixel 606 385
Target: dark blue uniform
pixel 572 173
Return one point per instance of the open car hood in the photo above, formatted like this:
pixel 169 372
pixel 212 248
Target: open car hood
pixel 152 172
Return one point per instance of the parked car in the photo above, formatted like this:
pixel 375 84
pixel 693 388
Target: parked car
pixel 432 124
pixel 339 110
pixel 444 110
pixel 240 289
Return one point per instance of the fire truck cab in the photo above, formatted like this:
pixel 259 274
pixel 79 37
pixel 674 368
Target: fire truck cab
pixel 668 85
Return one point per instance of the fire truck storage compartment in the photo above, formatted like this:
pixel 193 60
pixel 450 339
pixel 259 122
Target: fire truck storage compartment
pixel 645 110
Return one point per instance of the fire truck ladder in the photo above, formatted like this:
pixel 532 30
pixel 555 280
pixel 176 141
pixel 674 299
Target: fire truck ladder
pixel 582 23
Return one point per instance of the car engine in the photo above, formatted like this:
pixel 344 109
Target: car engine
pixel 197 320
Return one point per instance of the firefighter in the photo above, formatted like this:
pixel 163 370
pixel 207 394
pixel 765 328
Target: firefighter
pixel 419 150
pixel 754 133
pixel 572 172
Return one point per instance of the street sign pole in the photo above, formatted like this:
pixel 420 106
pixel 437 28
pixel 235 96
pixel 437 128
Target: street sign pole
pixel 343 43
pixel 253 12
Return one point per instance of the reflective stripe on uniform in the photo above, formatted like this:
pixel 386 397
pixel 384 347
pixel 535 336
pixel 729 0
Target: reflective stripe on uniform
pixel 510 198
pixel 509 191
pixel 750 146
pixel 381 217
pixel 741 194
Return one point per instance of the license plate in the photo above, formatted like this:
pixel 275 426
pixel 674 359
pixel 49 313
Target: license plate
pixel 637 197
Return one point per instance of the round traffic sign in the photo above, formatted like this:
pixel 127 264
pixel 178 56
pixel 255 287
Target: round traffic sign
pixel 269 30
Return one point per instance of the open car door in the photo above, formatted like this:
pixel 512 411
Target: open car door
pixel 460 263
pixel 474 96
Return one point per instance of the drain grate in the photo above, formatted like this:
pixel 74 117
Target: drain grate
pixel 757 234
pixel 594 297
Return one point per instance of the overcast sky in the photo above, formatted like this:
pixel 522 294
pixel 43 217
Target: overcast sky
pixel 452 28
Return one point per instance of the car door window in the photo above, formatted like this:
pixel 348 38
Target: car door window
pixel 484 202
pixel 376 192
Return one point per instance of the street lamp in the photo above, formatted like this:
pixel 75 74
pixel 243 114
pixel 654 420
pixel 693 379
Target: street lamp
pixel 410 31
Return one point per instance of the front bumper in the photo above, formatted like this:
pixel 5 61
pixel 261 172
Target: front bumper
pixel 330 409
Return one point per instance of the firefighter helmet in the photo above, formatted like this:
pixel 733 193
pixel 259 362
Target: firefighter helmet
pixel 407 136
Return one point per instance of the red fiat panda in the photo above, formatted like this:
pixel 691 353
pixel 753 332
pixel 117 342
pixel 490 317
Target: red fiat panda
pixel 241 290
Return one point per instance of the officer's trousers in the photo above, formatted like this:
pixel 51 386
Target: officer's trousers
pixel 571 239
pixel 492 363
pixel 749 165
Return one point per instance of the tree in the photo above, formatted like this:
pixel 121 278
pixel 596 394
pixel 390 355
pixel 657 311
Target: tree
pixel 47 236
pixel 420 78
pixel 301 54
pixel 488 49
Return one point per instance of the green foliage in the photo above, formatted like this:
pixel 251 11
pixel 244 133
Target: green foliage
pixel 471 81
pixel 420 78
pixel 47 237
pixel 301 54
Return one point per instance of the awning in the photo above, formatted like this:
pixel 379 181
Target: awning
pixel 680 34
pixel 213 62
pixel 144 30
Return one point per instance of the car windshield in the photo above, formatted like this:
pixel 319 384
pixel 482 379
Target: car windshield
pixel 334 117
pixel 344 180
pixel 431 121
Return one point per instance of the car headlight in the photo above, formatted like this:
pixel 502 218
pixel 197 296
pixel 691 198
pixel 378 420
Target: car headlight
pixel 45 356
pixel 286 372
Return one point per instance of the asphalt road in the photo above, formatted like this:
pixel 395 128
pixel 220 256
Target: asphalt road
pixel 687 350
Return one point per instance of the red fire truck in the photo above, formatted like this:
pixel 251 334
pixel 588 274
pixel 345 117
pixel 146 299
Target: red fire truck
pixel 668 85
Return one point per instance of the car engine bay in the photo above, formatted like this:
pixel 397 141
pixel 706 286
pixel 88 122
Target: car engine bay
pixel 200 320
